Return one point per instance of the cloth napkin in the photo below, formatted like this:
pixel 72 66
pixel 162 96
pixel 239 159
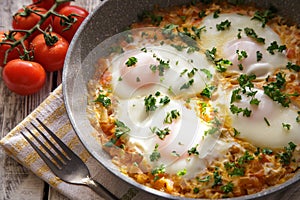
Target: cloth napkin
pixel 52 112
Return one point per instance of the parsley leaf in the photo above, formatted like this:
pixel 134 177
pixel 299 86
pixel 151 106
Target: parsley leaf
pixel 155 155
pixel 274 46
pixel 251 33
pixel 223 25
pixel 292 66
pixel 161 133
pixel 150 102
pixel 131 61
pixel 207 91
pixel 264 17
pixel 104 100
pixel 174 114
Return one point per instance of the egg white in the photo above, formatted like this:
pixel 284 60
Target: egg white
pixel 227 43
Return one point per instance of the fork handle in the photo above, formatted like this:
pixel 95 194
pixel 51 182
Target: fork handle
pixel 101 190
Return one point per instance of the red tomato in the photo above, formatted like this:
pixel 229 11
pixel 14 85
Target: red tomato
pixel 23 77
pixel 47 4
pixel 51 57
pixel 68 11
pixel 16 52
pixel 25 19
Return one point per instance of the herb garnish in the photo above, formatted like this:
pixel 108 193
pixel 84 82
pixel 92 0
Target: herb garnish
pixel 273 90
pixel 223 25
pixel 227 188
pixel 241 54
pixel 292 66
pixel 161 67
pixel 274 46
pixel 161 133
pixel 216 13
pixel 286 156
pixel 155 155
pixel 150 103
pixel 187 84
pixel 267 122
pixel 193 150
pixel 251 33
pixel 158 171
pixel 131 61
pixel 208 90
pixel 104 100
pixel 264 17
pixel 286 126
pixel 207 73
pixel 259 56
pixel 181 172
pixel 217 178
pixel 174 114
pixel 120 129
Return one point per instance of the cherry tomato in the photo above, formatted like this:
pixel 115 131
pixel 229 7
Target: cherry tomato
pixel 52 56
pixel 47 4
pixel 24 77
pixel 16 52
pixel 26 19
pixel 69 11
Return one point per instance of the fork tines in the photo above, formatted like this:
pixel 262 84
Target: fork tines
pixel 59 162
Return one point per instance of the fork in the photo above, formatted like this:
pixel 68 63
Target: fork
pixel 68 167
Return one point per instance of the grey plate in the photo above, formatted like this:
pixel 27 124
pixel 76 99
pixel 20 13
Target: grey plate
pixel 109 18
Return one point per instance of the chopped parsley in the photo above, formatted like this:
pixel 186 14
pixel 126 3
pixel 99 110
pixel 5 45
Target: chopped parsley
pixel 104 100
pixel 221 65
pixel 216 13
pixel 298 117
pixel 131 61
pixel 187 84
pixel 227 188
pixel 274 46
pixel 286 126
pixel 263 17
pixel 267 122
pixel 241 54
pixel 155 155
pixel 211 54
pixel 251 33
pixel 234 169
pixel 174 114
pixel 201 14
pixel 161 133
pixel 273 90
pixel 161 67
pixel 158 171
pixel 236 110
pixel 207 91
pixel 285 157
pixel 223 25
pixel 181 172
pixel 217 178
pixel 165 100
pixel 203 180
pixel 192 72
pixel 150 103
pixel 207 73
pixel 236 132
pixel 292 66
pixel 120 129
pixel 193 151
pixel 259 56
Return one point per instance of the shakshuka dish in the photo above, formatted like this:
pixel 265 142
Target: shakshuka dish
pixel 202 100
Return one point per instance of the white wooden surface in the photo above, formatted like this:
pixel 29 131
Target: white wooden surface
pixel 17 183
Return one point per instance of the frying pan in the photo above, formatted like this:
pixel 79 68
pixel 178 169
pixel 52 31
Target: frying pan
pixel 108 19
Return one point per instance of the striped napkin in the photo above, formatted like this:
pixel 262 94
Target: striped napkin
pixel 52 112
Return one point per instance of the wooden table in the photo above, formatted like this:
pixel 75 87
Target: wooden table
pixel 17 183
